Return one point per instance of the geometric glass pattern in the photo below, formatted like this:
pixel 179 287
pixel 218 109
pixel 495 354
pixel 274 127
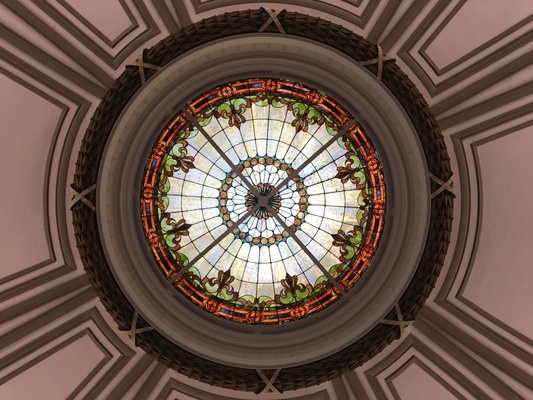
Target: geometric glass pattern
pixel 263 201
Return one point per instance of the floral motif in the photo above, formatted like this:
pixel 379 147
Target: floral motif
pixel 261 302
pixel 305 116
pixel 173 231
pixel 348 242
pixel 221 286
pixel 178 159
pixel 292 290
pixel 233 111
pixel 352 170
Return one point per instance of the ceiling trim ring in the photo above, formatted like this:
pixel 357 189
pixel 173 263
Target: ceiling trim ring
pixel 281 345
pixel 92 150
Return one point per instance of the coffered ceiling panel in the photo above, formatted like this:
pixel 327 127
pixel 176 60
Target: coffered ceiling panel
pixel 28 186
pixel 499 280
pixel 93 354
pixel 109 20
pixel 499 54
pixel 467 33
pixel 77 359
pixel 507 99
pixel 429 383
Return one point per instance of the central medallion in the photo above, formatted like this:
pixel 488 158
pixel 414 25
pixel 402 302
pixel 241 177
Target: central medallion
pixel 266 201
pixel 271 192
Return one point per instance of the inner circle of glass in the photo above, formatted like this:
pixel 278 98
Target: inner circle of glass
pixel 263 201
pixel 289 203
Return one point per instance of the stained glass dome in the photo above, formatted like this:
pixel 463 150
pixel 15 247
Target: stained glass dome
pixel 263 201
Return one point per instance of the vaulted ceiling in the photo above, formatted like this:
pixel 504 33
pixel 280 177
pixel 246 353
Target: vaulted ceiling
pixel 473 62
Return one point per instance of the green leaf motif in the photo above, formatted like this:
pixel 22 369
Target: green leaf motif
pixel 292 290
pixel 348 243
pixel 352 170
pixel 170 162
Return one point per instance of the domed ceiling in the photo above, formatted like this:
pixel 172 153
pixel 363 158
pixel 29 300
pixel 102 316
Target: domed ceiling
pixel 472 63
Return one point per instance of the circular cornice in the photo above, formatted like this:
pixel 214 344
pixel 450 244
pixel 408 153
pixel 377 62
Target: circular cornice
pixel 103 137
pixel 278 347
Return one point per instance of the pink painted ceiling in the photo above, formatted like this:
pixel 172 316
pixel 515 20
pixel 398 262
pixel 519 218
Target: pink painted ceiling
pixel 471 60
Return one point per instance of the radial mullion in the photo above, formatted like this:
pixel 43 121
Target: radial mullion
pixel 311 158
pixel 220 152
pixel 215 242
pixel 306 250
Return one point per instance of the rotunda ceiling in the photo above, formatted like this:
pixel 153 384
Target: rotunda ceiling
pixel 471 62
pixel 222 213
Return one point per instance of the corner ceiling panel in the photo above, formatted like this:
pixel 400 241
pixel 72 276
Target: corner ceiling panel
pixel 481 29
pixel 24 157
pixel 429 383
pixel 75 359
pixel 107 19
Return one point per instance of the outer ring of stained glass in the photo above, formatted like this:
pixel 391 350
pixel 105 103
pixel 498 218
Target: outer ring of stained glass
pixel 291 299
pixel 101 263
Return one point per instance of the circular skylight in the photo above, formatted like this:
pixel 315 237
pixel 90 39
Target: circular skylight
pixel 231 173
pixel 263 201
